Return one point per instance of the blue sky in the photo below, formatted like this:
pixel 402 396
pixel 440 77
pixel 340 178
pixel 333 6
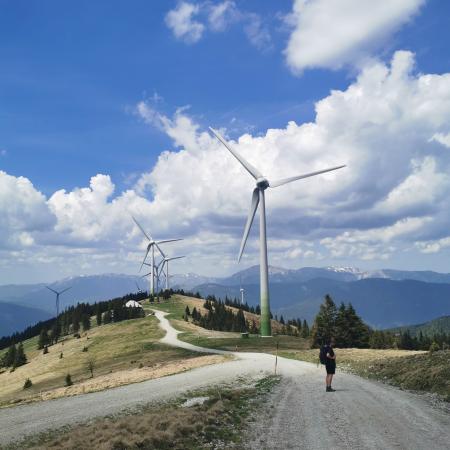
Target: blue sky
pixel 73 74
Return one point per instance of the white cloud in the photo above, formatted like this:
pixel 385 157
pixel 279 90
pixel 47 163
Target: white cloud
pixel 394 195
pixel 216 17
pixel 182 23
pixel 330 33
pixel 442 138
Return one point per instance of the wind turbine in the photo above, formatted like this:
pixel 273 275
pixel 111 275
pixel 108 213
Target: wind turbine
pixel 57 297
pixel 165 261
pixel 241 289
pixel 262 183
pixel 151 247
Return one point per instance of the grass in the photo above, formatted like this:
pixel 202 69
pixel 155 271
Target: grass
pixel 114 348
pixel 412 370
pixel 222 340
pixel 217 423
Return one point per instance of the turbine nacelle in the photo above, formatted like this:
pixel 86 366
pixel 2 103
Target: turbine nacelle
pixel 262 183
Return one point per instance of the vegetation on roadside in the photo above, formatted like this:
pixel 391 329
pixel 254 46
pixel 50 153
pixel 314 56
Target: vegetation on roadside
pixel 413 370
pixel 218 422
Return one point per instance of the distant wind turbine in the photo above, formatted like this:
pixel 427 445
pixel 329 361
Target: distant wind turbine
pixel 151 247
pixel 262 183
pixel 57 297
pixel 165 261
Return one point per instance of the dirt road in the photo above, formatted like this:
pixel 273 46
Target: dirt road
pixel 300 414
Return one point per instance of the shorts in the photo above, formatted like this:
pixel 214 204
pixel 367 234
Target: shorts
pixel 331 369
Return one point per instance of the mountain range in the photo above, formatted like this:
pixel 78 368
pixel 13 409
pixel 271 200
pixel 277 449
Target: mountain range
pixel 384 298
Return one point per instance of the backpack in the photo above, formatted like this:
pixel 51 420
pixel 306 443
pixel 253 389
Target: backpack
pixel 323 355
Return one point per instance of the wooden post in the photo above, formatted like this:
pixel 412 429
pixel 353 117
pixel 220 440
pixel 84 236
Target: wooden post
pixel 276 358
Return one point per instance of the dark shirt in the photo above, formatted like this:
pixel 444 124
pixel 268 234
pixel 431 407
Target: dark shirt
pixel 329 351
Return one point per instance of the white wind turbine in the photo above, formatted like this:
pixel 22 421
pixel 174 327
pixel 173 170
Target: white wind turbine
pixel 165 262
pixel 151 247
pixel 57 297
pixel 262 183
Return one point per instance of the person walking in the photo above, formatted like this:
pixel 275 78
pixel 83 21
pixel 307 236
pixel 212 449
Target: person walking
pixel 328 358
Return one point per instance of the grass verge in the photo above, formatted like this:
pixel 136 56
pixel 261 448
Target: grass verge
pixel 412 370
pixel 217 423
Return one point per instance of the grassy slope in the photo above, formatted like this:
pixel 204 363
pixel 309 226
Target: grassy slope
pixel 436 326
pixel 403 368
pixel 223 340
pixel 113 347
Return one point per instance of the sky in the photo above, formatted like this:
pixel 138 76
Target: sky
pixel 104 114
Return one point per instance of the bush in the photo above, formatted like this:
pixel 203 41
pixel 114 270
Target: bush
pixel 434 347
pixel 85 349
pixel 61 355
pixel 45 350
pixel 69 381
pixel 27 384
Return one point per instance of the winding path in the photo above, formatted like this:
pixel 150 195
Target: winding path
pixel 300 415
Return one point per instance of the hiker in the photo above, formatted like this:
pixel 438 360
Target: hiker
pixel 328 358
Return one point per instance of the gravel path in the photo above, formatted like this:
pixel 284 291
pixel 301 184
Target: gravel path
pixel 300 415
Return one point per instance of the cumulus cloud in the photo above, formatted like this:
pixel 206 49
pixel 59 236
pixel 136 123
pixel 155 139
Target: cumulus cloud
pixel 330 34
pixel 395 188
pixel 189 21
pixel 394 195
pixel 182 23
pixel 442 138
pixel 24 211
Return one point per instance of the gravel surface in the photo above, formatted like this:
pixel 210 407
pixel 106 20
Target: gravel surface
pixel 299 414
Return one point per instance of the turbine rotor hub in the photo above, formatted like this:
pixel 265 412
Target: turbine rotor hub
pixel 262 183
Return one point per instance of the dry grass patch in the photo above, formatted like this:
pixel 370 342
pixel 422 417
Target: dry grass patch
pixel 217 423
pixel 114 347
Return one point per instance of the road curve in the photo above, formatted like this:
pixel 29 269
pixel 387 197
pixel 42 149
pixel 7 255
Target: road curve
pixel 360 415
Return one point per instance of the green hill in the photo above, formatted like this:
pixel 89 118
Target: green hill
pixel 436 326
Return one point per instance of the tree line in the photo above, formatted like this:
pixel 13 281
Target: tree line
pixel 349 330
pixel 77 317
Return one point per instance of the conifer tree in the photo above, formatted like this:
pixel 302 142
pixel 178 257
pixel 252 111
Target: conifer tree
pixel 43 339
pixel 305 329
pixel 20 358
pixel 324 324
pixel 98 316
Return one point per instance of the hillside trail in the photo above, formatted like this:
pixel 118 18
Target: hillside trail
pixel 298 414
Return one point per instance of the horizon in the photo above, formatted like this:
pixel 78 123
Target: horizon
pixel 96 126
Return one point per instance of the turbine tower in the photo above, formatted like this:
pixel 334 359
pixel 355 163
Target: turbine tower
pixel 262 183
pixel 241 289
pixel 165 261
pixel 151 247
pixel 57 297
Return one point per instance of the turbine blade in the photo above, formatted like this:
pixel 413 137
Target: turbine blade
pixel 143 231
pixel 299 177
pixel 175 257
pixel 66 289
pixel 145 257
pixel 248 225
pixel 50 289
pixel 146 275
pixel 160 250
pixel 168 240
pixel 253 171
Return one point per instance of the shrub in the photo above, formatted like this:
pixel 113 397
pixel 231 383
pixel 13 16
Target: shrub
pixel 69 381
pixel 85 349
pixel 45 350
pixel 61 355
pixel 27 384
pixel 434 347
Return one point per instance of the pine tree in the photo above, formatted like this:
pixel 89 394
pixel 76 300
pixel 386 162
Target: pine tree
pixel 20 358
pixel 86 322
pixel 9 357
pixel 187 311
pixel 324 323
pixel 98 316
pixel 342 328
pixel 43 340
pixel 305 329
